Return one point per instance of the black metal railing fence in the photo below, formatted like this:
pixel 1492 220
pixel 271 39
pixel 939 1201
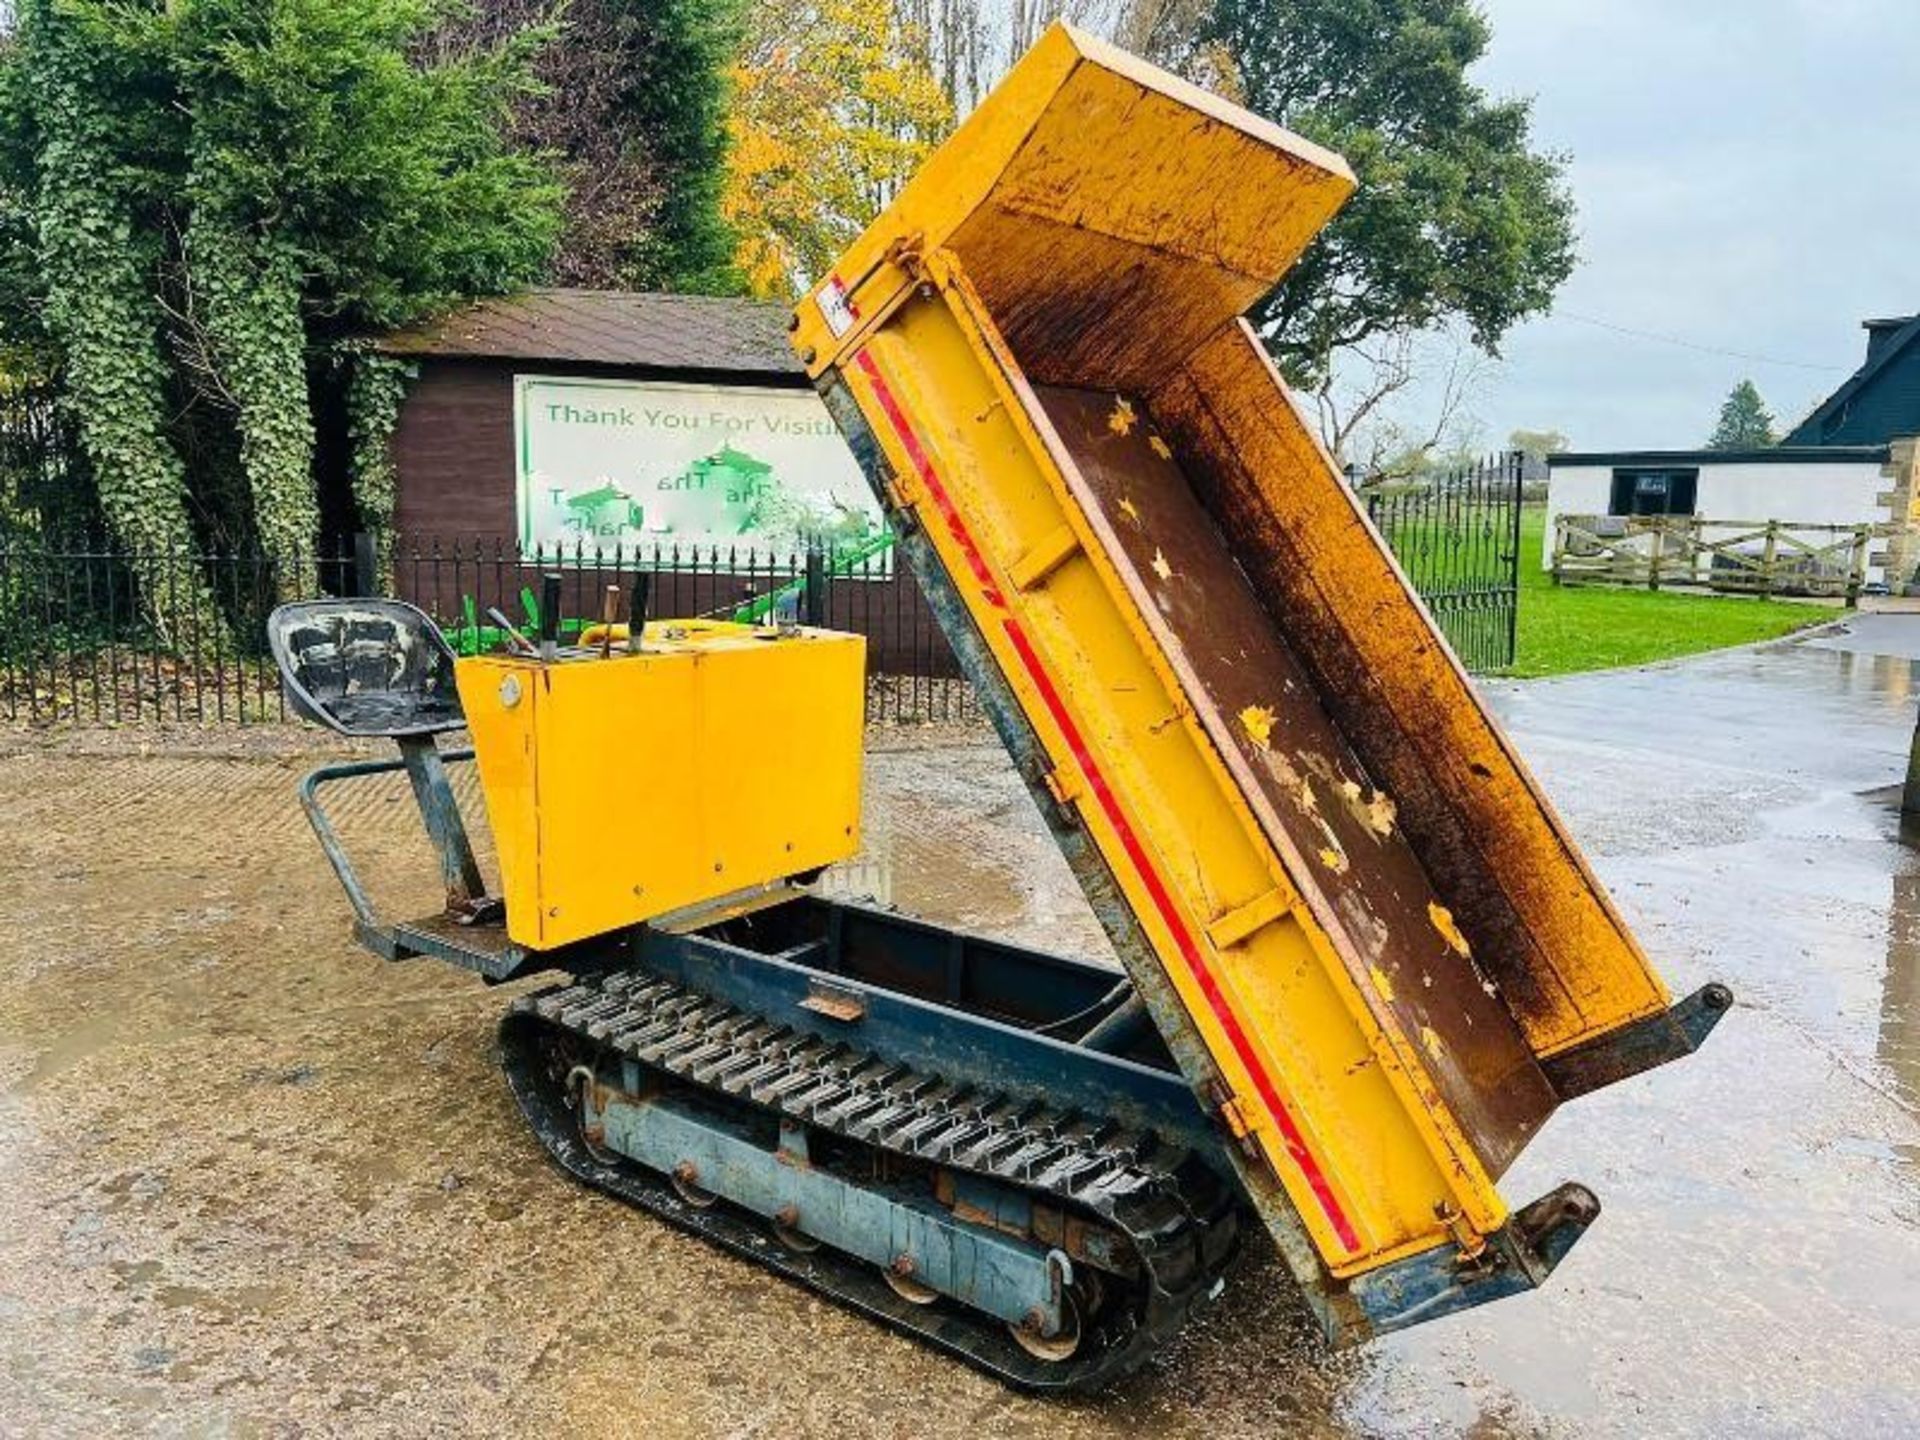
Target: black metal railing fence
pixel 1457 537
pixel 79 639
pixel 78 642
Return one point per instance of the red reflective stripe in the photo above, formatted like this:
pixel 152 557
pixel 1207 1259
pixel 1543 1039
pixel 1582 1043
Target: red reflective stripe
pixel 924 466
pixel 1190 951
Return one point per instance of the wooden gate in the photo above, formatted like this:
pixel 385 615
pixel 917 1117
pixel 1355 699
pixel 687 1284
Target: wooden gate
pixel 1756 557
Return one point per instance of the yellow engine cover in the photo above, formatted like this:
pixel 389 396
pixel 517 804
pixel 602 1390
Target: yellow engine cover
pixel 620 789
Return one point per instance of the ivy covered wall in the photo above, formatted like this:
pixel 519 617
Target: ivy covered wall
pixel 198 198
pixel 376 388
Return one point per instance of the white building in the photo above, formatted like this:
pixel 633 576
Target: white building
pixel 1853 461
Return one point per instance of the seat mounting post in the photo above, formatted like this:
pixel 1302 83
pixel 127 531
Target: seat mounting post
pixel 441 815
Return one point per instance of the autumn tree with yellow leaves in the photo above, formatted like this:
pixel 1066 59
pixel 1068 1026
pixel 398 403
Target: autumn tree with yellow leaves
pixel 834 107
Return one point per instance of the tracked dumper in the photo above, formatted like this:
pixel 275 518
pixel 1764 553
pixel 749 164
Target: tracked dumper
pixel 1362 962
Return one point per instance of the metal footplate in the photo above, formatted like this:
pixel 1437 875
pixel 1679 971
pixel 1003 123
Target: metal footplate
pixel 1054 1250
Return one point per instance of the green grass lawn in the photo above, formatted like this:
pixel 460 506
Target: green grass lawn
pixel 1565 629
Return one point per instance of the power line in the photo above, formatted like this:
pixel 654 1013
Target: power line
pixel 1695 345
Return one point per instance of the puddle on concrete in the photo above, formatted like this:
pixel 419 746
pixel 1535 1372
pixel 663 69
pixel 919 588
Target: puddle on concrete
pixel 1899 1041
pixel 66 1049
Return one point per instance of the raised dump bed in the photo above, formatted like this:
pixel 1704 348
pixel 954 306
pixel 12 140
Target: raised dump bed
pixel 1367 938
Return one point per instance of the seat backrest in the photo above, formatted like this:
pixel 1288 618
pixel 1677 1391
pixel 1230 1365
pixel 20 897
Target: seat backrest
pixel 366 667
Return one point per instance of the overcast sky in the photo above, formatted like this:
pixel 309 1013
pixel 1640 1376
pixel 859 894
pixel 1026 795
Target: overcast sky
pixel 1748 176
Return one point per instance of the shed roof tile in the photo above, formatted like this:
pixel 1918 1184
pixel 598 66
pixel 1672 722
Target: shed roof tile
pixel 611 327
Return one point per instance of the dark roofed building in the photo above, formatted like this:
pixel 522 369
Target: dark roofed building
pixel 468 445
pixel 1852 462
pixel 1880 401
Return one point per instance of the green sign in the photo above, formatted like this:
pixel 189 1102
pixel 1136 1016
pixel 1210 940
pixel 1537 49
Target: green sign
pixel 645 466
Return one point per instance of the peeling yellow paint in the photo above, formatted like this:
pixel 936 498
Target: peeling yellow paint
pixel 1129 509
pixel 1383 983
pixel 1161 567
pixel 1442 919
pixel 1335 860
pixel 1381 813
pixel 1160 447
pixel 1282 770
pixel 1371 808
pixel 1430 1038
pixel 1258 720
pixel 1123 418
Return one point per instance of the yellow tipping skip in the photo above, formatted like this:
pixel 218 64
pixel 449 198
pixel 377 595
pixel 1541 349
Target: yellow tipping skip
pixel 1360 926
pixel 719 758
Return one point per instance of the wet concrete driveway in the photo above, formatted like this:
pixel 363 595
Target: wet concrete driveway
pixel 253 1182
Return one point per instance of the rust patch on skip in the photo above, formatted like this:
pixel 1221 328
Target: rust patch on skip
pixel 1442 919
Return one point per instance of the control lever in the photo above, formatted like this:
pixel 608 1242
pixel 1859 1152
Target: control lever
pixel 637 611
pixel 514 637
pixel 549 617
pixel 609 613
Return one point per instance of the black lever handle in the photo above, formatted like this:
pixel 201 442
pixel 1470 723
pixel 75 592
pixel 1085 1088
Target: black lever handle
pixel 637 609
pixel 549 616
pixel 815 609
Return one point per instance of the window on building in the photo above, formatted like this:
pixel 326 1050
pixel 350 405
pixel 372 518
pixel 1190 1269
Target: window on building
pixel 1654 492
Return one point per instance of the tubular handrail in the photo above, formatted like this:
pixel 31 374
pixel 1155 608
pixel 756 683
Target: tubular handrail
pixel 329 838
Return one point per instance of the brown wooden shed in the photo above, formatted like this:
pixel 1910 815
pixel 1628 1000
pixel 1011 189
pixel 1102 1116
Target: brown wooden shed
pixel 456 537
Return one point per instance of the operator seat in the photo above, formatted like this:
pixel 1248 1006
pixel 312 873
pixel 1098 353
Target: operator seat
pixel 366 667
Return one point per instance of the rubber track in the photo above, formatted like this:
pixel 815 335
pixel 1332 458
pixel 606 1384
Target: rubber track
pixel 1179 1218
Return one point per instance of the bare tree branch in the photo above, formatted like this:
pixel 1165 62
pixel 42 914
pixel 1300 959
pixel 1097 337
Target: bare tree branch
pixel 1352 404
pixel 188 336
pixel 969 44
